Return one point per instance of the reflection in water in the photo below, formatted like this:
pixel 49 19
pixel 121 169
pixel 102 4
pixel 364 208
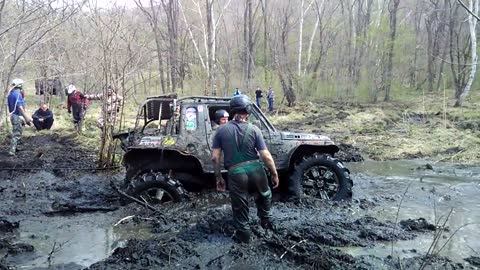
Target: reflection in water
pixel 83 239
pixel 432 194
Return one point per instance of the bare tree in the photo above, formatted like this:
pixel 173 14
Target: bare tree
pixel 472 23
pixel 388 62
pixel 265 36
pixel 120 56
pixel 459 49
pixel 34 21
pixel 303 12
pixel 152 13
pixel 435 27
pixel 171 10
pixel 280 55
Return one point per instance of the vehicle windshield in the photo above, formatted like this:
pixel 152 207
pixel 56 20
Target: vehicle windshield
pixel 258 116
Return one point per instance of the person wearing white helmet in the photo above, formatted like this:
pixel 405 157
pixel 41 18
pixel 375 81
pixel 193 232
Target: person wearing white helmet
pixel 18 116
pixel 77 104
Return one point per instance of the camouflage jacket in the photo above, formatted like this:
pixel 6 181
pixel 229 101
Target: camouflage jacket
pixel 111 103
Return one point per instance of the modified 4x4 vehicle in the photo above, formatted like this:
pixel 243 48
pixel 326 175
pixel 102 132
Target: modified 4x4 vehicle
pixel 169 152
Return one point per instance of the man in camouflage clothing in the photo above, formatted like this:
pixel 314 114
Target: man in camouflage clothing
pixel 18 116
pixel 110 108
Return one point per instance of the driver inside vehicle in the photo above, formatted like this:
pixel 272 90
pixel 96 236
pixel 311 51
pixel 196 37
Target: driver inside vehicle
pixel 221 118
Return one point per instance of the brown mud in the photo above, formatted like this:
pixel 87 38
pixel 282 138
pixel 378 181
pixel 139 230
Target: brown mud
pixel 54 177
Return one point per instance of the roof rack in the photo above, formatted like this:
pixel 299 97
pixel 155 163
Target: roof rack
pixel 202 98
pixel 170 95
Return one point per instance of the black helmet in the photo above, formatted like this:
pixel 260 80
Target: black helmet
pixel 240 104
pixel 220 114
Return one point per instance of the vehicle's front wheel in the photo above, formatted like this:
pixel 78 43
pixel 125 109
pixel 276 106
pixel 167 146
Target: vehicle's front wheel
pixel 156 188
pixel 321 176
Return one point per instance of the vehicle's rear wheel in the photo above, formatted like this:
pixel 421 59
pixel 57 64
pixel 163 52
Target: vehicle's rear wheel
pixel 156 188
pixel 321 176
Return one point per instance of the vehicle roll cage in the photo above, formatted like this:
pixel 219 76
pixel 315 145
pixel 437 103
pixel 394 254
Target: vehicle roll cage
pixel 167 112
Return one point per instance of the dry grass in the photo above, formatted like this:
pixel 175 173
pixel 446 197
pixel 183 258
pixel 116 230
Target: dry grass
pixel 393 130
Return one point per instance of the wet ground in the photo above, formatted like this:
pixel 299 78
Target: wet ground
pixel 53 215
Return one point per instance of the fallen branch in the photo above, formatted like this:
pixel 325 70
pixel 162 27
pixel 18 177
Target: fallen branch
pixel 56 247
pixel 214 259
pixel 145 204
pixel 72 208
pixel 123 219
pixel 301 242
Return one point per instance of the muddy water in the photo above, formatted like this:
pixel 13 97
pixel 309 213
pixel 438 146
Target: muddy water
pixel 88 238
pixel 79 240
pixel 430 193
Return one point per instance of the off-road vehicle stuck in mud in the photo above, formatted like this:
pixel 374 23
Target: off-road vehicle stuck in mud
pixel 168 152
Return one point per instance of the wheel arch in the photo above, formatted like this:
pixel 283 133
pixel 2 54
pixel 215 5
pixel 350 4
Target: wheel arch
pixel 138 160
pixel 309 149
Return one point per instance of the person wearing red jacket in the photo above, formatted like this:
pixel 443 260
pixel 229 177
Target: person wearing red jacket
pixel 77 104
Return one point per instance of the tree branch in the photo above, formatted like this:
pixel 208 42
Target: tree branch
pixel 468 10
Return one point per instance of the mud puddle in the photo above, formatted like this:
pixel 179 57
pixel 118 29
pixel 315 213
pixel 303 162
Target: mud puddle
pixel 75 212
pixel 75 240
pixel 440 193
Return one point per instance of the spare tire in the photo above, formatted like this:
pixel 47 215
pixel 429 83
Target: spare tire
pixel 322 176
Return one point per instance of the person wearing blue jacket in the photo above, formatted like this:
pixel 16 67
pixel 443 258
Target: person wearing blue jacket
pixel 18 116
pixel 237 92
pixel 43 118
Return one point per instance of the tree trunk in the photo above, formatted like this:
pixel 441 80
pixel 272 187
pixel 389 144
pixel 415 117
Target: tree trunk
pixel 300 39
pixel 265 38
pixel 248 43
pixel 210 47
pixel 388 66
pixel 472 23
pixel 171 10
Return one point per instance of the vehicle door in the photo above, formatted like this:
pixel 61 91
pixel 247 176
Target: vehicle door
pixel 193 132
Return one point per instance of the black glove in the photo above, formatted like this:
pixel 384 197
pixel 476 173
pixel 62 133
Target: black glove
pixel 69 111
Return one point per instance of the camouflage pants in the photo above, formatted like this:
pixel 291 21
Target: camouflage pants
pixel 245 180
pixel 17 130
pixel 110 119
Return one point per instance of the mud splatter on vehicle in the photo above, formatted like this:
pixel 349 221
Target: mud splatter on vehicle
pixel 169 150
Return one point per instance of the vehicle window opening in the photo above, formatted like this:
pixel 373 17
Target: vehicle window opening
pixel 213 109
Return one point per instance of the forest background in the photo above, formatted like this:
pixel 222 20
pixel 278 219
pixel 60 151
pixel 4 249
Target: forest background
pixel 360 51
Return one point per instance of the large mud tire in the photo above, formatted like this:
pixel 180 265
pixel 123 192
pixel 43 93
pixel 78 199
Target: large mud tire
pixel 148 182
pixel 321 176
